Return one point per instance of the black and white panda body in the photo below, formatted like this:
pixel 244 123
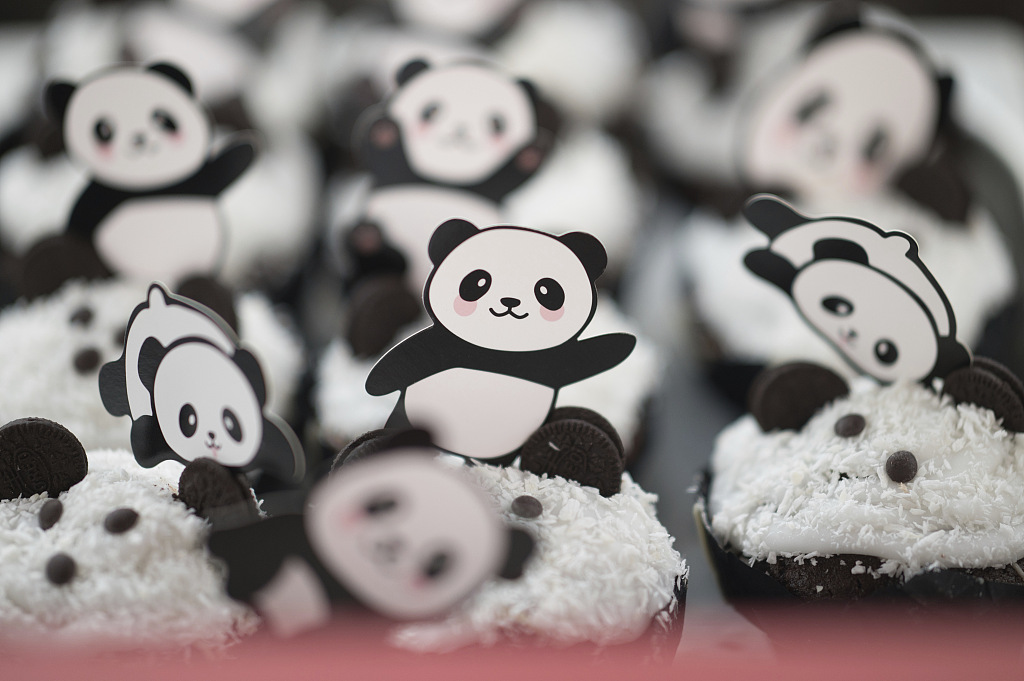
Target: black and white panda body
pixel 864 290
pixel 452 141
pixel 508 306
pixel 150 210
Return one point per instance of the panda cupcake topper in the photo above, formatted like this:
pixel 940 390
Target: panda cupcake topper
pixel 864 290
pixel 192 392
pixel 508 306
pixel 398 532
pixel 150 210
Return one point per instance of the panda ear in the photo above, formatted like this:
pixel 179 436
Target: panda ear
pixel 447 236
pixel 771 267
pixel 946 85
pixel 771 215
pixel 520 548
pixel 150 355
pixel 531 90
pixel 250 367
pixel 56 97
pixel 589 250
pixel 840 249
pixel 411 69
pixel 174 73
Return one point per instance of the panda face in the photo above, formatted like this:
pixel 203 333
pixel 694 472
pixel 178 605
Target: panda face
pixel 511 289
pixel 858 109
pixel 460 124
pixel 405 535
pixel 462 17
pixel 136 129
pixel 221 420
pixel 874 321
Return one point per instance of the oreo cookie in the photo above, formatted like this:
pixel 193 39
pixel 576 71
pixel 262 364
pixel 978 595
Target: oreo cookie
pixel 785 397
pixel 214 295
pixel 380 307
pixel 985 384
pixel 211 489
pixel 37 455
pixel 594 419
pixel 575 450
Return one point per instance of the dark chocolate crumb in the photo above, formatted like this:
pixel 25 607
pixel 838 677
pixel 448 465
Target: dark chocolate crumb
pixel 120 520
pixel 87 360
pixel 50 513
pixel 850 425
pixel 82 316
pixel 60 569
pixel 526 506
pixel 901 466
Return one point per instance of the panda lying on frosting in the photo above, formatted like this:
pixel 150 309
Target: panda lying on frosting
pixel 508 306
pixel 864 290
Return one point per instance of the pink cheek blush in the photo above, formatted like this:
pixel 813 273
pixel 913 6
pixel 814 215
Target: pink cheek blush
pixel 552 315
pixel 464 307
pixel 104 151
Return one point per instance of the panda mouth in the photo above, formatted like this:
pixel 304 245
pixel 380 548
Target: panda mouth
pixel 213 447
pixel 509 312
pixel 848 337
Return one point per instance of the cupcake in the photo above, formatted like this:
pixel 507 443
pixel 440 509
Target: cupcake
pixel 837 492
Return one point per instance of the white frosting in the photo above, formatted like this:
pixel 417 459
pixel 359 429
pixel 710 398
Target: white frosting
pixel 603 568
pixel 754 321
pixel 780 493
pixel 154 585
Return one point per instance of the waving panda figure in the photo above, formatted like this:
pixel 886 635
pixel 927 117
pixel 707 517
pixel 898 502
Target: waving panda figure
pixel 865 290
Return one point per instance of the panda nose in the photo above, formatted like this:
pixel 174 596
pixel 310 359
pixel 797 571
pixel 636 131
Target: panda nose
pixel 510 302
pixel 211 434
pixel 139 139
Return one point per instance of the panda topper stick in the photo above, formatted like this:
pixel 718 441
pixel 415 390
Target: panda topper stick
pixel 508 306
pixel 864 290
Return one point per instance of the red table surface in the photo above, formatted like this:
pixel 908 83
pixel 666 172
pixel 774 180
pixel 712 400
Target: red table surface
pixel 877 645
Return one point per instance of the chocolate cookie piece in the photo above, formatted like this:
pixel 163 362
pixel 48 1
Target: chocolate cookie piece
pixel 785 397
pixel 54 260
pixel 206 486
pixel 371 442
pixel 380 307
pixel 37 455
pixel 594 419
pixel 981 386
pixel 214 295
pixel 575 450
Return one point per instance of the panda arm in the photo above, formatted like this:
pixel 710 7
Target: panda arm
pixel 223 169
pixel 575 361
pixel 254 553
pixel 418 356
pixel 93 205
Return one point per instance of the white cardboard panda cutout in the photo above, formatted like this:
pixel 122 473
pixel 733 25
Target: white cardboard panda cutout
pixel 472 18
pixel 451 141
pixel 864 290
pixel 150 210
pixel 192 392
pixel 399 533
pixel 508 306
pixel 861 105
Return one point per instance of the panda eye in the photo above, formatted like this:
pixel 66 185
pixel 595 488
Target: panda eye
pixel 841 307
pixel 549 293
pixel 886 352
pixel 231 424
pixel 876 145
pixel 439 563
pixel 497 125
pixel 187 420
pixel 429 112
pixel 165 121
pixel 474 285
pixel 810 108
pixel 379 505
pixel 103 131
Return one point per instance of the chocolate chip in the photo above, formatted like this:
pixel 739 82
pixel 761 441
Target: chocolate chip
pixel 37 455
pixel 60 569
pixel 526 506
pixel 575 450
pixel 50 513
pixel 87 360
pixel 785 397
pixel 850 425
pixel 83 316
pixel 901 466
pixel 120 520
